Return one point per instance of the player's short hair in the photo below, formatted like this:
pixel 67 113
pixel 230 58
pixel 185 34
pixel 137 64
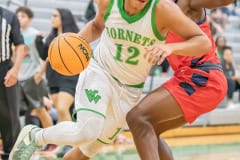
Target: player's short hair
pixel 25 10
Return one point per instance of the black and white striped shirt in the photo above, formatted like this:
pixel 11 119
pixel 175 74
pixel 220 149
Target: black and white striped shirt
pixel 9 33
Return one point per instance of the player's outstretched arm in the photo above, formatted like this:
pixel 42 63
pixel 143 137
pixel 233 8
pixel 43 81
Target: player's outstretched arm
pixel 198 4
pixel 173 19
pixel 93 29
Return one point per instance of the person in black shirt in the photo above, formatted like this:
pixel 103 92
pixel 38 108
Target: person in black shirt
pixel 9 118
pixel 62 88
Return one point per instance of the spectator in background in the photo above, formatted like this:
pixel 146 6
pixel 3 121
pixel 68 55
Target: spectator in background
pixel 219 18
pixel 90 12
pixel 220 43
pixel 9 113
pixel 32 86
pixel 32 117
pixel 230 70
pixel 229 10
pixel 62 88
pixel 236 3
pixel 215 28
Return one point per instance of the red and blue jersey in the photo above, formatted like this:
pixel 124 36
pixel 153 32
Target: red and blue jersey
pixel 195 78
pixel 178 61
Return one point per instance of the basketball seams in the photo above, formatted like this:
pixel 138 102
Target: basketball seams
pixel 64 52
pixel 74 51
pixel 59 50
pixel 82 40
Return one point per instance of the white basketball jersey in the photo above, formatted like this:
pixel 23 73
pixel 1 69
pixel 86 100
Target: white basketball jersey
pixel 121 48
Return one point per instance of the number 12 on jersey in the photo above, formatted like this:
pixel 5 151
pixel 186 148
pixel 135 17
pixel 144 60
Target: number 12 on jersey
pixel 133 54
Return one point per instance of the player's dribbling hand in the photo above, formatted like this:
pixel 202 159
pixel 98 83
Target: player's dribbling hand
pixel 11 77
pixel 157 53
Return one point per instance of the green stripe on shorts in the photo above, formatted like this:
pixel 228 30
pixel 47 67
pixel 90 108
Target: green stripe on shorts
pixel 88 110
pixel 141 85
pixel 101 141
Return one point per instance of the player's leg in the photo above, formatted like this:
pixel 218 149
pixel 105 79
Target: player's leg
pixel 164 150
pixel 91 101
pixel 63 104
pixel 9 119
pixel 43 116
pixel 85 152
pixel 146 118
pixel 65 133
pixel 9 122
pixel 63 97
pixel 75 154
pixel 109 133
pixel 112 127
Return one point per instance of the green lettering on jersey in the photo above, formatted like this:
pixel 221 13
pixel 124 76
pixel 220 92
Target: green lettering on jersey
pixel 133 55
pixel 92 95
pixel 108 32
pixel 129 36
pixel 119 52
pixel 152 42
pixel 113 33
pixel 137 38
pixel 121 34
pixel 132 51
pixel 145 41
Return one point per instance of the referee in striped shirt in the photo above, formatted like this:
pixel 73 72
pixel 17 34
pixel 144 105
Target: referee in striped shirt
pixel 9 113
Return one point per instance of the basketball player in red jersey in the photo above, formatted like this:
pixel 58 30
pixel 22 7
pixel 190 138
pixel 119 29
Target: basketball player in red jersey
pixel 197 87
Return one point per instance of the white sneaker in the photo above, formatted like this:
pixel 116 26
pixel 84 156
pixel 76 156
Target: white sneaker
pixel 25 145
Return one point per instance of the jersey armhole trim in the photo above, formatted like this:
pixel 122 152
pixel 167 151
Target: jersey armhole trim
pixel 154 25
pixel 108 11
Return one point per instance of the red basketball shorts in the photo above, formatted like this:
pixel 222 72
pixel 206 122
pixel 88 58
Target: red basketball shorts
pixel 197 91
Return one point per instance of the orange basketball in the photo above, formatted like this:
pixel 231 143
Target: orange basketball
pixel 69 54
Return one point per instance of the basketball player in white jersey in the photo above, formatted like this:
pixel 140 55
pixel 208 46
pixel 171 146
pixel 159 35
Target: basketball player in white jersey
pixel 112 83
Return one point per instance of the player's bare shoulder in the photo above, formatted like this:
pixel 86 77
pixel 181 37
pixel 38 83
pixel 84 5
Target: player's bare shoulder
pixel 102 5
pixel 165 9
pixel 164 4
